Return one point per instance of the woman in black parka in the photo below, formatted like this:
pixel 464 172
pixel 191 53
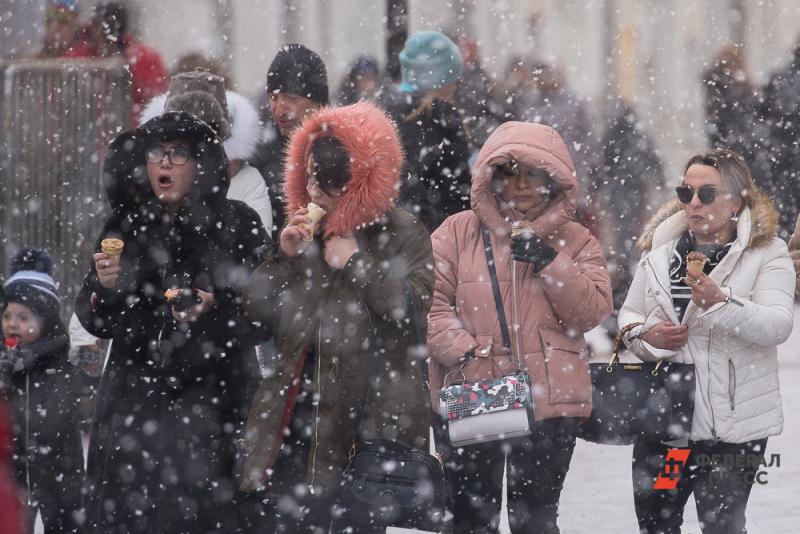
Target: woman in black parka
pixel 162 451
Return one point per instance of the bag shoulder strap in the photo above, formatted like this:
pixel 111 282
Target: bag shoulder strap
pixel 498 300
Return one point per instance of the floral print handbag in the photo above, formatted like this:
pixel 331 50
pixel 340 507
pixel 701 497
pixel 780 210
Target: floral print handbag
pixel 488 410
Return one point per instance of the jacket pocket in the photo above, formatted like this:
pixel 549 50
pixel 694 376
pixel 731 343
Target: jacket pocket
pixel 732 383
pixel 567 368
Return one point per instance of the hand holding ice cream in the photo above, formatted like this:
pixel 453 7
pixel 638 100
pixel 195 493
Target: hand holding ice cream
pixel 300 229
pixel 705 292
pixel 107 262
pixel 695 263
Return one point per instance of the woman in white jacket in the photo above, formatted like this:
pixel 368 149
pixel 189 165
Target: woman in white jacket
pixel 727 321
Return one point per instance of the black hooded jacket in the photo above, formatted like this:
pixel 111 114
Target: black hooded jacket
pixel 169 406
pixel 437 180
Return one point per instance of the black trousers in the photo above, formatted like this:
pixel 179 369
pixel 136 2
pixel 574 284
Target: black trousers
pixel 719 474
pixel 537 466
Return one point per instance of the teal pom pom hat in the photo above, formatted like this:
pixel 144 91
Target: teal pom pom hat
pixel 429 60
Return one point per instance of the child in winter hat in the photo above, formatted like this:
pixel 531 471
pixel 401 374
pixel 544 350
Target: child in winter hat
pixel 429 61
pixel 35 379
pixel 31 285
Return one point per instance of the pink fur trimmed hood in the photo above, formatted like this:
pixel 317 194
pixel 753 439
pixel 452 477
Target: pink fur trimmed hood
pixel 376 155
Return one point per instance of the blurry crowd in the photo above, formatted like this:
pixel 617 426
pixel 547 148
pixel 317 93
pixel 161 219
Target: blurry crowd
pixel 197 417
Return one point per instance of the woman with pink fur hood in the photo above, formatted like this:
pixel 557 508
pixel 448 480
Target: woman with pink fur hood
pixel 554 286
pixel 332 288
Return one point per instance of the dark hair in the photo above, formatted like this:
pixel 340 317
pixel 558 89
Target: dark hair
pixel 113 16
pixel 733 169
pixel 331 163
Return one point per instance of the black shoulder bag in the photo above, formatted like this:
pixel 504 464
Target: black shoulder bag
pixel 389 483
pixel 643 400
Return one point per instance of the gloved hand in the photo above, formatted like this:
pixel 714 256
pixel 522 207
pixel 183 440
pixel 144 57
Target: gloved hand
pixel 529 247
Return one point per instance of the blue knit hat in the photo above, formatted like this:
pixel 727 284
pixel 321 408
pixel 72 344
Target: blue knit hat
pixel 429 60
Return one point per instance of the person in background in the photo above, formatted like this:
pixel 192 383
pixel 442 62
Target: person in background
pixel 474 95
pixel 362 81
pixel 193 60
pixel 727 319
pixel 781 112
pixel 163 448
pixel 62 26
pixel 332 290
pixel 633 174
pixel 38 383
pixel 436 178
pixel 555 104
pixel 555 287
pixel 107 35
pixel 734 114
pixel 297 86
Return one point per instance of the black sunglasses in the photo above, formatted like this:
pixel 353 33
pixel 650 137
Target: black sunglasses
pixel 706 193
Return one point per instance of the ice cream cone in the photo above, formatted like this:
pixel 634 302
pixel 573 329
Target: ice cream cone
pixel 695 263
pixel 113 247
pixel 519 227
pixel 315 213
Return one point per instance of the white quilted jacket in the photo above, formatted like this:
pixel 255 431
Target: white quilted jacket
pixel 733 345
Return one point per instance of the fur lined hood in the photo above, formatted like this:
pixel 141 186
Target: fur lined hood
pixel 242 115
pixel 757 225
pixel 376 158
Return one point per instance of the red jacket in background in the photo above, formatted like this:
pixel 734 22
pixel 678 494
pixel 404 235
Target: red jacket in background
pixel 10 507
pixel 148 75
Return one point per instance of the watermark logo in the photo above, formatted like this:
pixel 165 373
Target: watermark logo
pixel 719 467
pixel 673 466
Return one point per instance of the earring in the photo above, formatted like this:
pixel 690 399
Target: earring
pixel 734 217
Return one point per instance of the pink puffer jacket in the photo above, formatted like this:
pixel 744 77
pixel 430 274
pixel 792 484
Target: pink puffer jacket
pixel 552 309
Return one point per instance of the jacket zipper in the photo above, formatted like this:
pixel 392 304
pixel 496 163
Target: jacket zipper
pixel 731 382
pixel 163 325
pixel 28 434
pixel 667 293
pixel 315 402
pixel 710 404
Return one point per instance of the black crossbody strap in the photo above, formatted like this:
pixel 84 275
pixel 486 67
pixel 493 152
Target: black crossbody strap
pixel 498 300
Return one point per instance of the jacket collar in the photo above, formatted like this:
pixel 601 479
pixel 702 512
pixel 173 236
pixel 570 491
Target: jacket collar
pixel 756 226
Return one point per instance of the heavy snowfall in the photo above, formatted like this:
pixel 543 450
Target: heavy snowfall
pixel 366 266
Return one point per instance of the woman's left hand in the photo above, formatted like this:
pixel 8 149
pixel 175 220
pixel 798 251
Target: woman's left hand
pixel 193 313
pixel 339 250
pixel 705 291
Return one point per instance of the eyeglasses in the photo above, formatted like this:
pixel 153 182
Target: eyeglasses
pixel 178 155
pixel 706 193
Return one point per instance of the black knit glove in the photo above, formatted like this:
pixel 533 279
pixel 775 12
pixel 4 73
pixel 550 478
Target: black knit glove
pixel 530 248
